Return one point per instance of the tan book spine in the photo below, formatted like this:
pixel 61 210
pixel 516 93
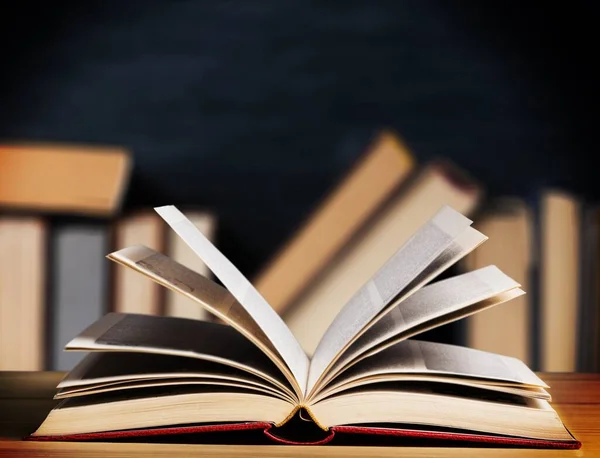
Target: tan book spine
pixel 380 171
pixel 505 330
pixel 177 304
pixel 63 178
pixel 559 295
pixel 22 293
pixel 134 293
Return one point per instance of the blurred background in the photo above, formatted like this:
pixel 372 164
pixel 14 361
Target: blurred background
pixel 305 138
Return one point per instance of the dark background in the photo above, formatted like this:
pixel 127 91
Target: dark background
pixel 254 109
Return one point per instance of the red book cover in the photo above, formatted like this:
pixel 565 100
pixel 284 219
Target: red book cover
pixel 337 435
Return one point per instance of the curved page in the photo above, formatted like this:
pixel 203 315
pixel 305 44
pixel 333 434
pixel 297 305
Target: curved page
pixel 160 383
pixel 401 380
pixel 179 337
pixel 239 286
pixel 204 292
pixel 124 369
pixel 443 298
pixel 461 246
pixel 100 367
pixel 394 281
pixel 432 358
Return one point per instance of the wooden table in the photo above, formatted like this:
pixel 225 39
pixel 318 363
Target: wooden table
pixel 576 398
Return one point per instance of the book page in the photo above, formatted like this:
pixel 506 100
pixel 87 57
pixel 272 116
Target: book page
pixel 421 357
pixel 432 301
pixel 198 383
pixel 106 367
pixel 179 337
pixel 110 371
pixel 395 277
pixel 468 409
pixel 400 381
pixel 205 293
pixel 258 308
pixel 426 326
pixel 460 247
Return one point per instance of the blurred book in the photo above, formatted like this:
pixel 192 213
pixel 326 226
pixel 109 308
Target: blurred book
pixel 434 186
pixel 138 294
pixel 505 330
pixel 558 239
pixel 63 178
pixel 135 293
pixel 588 329
pixel 80 285
pixel 377 174
pixel 22 292
pixel 179 305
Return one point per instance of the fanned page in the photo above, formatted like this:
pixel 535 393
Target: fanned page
pixel 396 277
pixel 413 361
pixel 435 304
pixel 258 308
pixel 102 372
pixel 181 337
pixel 204 292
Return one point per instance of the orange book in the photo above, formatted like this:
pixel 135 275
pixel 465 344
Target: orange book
pixel 63 178
pixel 385 165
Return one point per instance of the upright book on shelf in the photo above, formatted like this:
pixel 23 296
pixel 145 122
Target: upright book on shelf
pixel 177 304
pixel 79 285
pixel 508 224
pixel 133 293
pixel 23 246
pixel 166 376
pixel 346 208
pixel 558 239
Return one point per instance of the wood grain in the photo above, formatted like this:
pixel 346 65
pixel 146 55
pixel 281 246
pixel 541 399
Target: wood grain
pixel 576 398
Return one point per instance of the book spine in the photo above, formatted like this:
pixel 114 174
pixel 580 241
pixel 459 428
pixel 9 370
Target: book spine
pixel 534 281
pixel 80 278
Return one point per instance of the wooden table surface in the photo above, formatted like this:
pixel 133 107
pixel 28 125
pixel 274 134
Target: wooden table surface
pixel 576 398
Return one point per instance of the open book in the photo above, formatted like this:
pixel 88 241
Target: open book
pixel 151 375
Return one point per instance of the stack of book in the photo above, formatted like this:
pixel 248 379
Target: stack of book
pixel 61 214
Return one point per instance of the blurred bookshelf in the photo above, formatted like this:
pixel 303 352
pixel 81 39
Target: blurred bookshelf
pixel 55 280
pixel 61 213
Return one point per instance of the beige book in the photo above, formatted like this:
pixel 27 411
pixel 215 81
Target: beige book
pixel 559 281
pixel 146 372
pixel 177 304
pixel 64 178
pixel 508 224
pixel 134 293
pixel 22 293
pixel 436 185
pixel 382 169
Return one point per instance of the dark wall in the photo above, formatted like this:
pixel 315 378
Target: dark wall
pixel 255 108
